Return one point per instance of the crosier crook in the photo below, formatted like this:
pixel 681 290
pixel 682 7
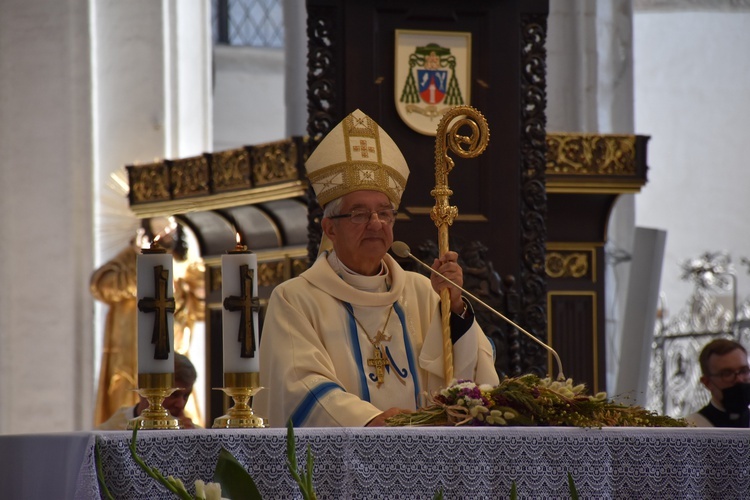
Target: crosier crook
pixel 443 214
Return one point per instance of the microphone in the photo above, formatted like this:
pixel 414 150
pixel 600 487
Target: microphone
pixel 402 250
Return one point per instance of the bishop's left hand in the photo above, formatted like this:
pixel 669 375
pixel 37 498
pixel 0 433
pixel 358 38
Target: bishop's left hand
pixel 447 265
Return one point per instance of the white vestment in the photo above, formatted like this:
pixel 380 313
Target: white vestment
pixel 314 353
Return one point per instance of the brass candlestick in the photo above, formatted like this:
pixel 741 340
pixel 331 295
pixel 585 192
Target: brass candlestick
pixel 241 387
pixel 155 387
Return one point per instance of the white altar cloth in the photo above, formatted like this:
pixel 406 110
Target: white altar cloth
pixel 413 463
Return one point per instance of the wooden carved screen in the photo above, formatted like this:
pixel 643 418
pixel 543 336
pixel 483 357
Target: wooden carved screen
pixel 500 231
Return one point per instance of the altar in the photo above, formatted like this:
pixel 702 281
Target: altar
pixel 411 463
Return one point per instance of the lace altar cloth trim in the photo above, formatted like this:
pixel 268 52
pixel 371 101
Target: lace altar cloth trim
pixel 413 463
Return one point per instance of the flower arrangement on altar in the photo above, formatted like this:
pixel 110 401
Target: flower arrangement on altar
pixel 529 401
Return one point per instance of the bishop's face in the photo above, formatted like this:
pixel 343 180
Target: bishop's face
pixel 361 247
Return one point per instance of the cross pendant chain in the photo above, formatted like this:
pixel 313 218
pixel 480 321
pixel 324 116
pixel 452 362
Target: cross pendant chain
pixel 379 360
pixel 380 337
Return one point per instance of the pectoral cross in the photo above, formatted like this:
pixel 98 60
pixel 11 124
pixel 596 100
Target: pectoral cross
pixel 379 362
pixel 246 304
pixel 161 305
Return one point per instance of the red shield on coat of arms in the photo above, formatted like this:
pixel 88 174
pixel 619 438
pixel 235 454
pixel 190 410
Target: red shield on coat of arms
pixel 432 85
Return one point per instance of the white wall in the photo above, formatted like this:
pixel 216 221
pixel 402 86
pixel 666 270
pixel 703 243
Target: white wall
pixel 46 374
pixel 248 96
pixel 692 74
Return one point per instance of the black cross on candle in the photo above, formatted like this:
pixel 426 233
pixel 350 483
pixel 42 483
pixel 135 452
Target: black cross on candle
pixel 246 304
pixel 161 305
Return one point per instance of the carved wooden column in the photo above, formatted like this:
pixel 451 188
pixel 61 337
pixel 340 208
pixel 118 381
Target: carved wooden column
pixel 585 175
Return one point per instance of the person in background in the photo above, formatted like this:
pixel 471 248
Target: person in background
pixel 356 339
pixel 726 375
pixel 184 377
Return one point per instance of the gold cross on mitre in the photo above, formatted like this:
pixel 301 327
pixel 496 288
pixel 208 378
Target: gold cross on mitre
pixel 247 304
pixel 379 362
pixel 161 305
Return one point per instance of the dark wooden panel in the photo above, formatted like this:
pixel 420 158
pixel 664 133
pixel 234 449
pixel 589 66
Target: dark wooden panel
pixel 574 335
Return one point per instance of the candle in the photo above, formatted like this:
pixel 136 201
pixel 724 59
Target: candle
pixel 155 299
pixel 239 297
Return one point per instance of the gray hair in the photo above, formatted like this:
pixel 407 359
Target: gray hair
pixel 332 207
pixel 184 371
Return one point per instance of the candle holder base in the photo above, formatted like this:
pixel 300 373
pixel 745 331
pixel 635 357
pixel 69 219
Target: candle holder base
pixel 155 417
pixel 240 416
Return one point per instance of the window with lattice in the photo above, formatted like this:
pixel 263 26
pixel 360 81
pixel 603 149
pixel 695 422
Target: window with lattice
pixel 251 23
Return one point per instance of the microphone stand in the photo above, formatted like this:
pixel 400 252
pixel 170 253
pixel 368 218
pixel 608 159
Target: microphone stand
pixel 402 250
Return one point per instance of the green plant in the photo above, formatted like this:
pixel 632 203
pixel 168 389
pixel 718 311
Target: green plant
pixel 304 479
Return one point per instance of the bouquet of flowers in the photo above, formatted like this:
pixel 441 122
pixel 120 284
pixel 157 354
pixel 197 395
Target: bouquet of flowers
pixel 529 400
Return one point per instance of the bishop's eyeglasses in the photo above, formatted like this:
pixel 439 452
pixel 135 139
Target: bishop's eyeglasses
pixel 729 375
pixel 385 215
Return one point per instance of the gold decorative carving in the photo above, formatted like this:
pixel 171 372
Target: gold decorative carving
pixel 273 268
pixel 189 176
pixel 276 272
pixel 221 200
pixel 253 174
pixel 274 162
pixel 271 273
pixel 299 266
pixel 149 182
pixel 230 170
pixel 214 278
pixel 567 264
pixel 588 154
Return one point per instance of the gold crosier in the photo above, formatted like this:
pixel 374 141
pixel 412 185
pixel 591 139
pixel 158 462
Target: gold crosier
pixel 443 214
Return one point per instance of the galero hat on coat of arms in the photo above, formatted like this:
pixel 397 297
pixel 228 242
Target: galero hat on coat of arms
pixel 357 155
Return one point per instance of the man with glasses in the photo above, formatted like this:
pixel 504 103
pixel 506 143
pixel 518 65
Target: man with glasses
pixel 356 339
pixel 726 375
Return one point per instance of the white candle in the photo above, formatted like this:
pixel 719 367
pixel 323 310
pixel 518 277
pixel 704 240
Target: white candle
pixel 236 295
pixel 155 298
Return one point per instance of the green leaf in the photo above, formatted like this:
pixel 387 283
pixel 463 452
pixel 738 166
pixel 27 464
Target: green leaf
pixel 178 490
pixel 513 491
pixel 304 481
pixel 236 483
pixel 572 487
pixel 439 494
pixel 291 453
pixel 309 477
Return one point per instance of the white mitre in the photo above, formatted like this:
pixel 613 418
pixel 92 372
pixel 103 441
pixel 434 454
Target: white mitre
pixel 357 155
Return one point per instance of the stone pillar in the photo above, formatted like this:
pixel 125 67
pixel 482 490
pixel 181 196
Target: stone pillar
pixel 46 357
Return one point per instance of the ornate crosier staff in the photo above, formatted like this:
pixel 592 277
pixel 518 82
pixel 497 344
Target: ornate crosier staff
pixel 443 214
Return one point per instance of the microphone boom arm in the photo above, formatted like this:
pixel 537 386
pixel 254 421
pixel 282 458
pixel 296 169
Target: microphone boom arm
pixel 405 252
